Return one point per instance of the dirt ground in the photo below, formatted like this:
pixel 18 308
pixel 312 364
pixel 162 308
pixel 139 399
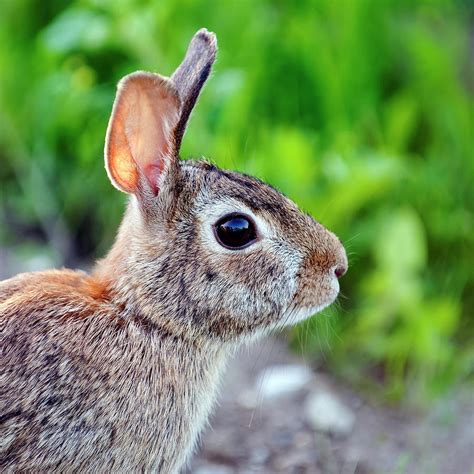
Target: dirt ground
pixel 256 431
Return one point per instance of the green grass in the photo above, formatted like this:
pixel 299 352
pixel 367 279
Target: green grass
pixel 361 111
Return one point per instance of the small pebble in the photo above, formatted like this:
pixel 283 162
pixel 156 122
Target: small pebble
pixel 328 414
pixel 279 380
pixel 213 469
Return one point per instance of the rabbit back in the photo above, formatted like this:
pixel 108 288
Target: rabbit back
pixel 50 381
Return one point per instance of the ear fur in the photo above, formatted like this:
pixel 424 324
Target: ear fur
pixel 190 76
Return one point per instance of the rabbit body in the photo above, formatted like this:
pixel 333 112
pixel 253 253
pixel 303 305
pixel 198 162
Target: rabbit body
pixel 93 386
pixel 117 371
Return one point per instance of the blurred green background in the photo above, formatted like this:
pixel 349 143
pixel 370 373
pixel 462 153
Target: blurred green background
pixel 361 111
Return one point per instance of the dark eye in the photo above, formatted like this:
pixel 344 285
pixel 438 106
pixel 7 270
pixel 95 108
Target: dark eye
pixel 235 231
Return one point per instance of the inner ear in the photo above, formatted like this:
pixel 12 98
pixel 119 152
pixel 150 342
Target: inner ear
pixel 140 144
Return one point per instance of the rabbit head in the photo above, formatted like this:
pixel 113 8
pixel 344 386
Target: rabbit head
pixel 201 250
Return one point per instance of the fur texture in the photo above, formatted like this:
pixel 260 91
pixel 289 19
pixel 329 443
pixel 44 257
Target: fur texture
pixel 118 370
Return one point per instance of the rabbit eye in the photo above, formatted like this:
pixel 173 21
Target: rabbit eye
pixel 235 231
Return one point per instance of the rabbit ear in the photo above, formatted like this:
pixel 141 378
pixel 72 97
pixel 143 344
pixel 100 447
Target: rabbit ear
pixel 140 137
pixel 191 75
pixel 150 115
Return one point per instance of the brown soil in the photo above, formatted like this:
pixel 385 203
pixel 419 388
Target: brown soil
pixel 275 436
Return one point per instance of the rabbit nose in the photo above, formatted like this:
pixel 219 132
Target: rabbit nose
pixel 340 270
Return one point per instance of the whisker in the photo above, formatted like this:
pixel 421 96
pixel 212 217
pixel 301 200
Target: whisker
pixel 259 396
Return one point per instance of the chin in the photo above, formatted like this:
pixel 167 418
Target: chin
pixel 297 312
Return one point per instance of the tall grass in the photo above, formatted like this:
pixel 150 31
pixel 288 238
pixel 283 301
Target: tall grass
pixel 359 110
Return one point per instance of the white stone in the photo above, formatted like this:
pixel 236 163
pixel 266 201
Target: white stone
pixel 213 469
pixel 280 380
pixel 326 413
pixel 248 399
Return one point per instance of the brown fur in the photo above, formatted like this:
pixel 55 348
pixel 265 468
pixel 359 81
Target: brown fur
pixel 92 388
pixel 118 370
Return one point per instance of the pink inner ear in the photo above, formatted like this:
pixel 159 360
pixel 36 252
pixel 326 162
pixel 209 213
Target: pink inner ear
pixel 140 137
pixel 153 172
pixel 150 132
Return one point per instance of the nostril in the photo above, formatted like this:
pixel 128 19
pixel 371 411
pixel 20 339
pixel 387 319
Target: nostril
pixel 340 270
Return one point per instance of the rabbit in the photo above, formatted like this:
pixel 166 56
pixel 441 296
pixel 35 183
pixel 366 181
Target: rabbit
pixel 118 370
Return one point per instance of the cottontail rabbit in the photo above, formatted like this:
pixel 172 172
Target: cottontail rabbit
pixel 117 371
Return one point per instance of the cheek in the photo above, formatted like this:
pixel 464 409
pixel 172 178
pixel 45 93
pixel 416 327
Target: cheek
pixel 257 284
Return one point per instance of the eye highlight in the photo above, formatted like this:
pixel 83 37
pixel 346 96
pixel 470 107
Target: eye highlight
pixel 235 231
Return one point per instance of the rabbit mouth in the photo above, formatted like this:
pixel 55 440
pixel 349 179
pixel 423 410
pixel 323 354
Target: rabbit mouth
pixel 296 315
pixel 306 304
